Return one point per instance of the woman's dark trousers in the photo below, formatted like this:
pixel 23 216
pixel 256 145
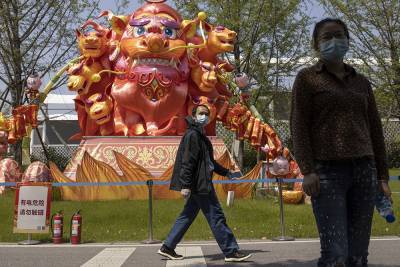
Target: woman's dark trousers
pixel 343 210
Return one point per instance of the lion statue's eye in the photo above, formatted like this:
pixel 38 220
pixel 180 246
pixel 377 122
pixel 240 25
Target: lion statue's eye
pixel 220 28
pixel 170 33
pixel 139 31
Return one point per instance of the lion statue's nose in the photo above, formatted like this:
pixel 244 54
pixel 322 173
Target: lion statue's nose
pixel 232 34
pixel 155 43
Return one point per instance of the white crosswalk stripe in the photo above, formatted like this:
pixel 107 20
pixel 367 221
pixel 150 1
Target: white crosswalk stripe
pixel 110 257
pixel 193 257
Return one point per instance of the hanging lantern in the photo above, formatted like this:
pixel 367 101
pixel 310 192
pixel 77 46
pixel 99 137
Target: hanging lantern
pixel 241 80
pixel 3 122
pixel 3 136
pixel 32 113
pixel 3 143
pixel 33 82
pixel 19 118
pixel 37 172
pixel 12 139
pixel 280 166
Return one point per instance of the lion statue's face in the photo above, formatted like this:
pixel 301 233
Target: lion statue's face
pixel 99 108
pixel 93 44
pixel 152 40
pixel 221 39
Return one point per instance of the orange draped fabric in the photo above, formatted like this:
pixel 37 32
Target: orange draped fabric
pixel 91 170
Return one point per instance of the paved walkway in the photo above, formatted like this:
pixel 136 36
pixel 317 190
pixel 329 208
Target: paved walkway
pixel 383 252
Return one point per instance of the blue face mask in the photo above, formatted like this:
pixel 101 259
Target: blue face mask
pixel 202 119
pixel 334 49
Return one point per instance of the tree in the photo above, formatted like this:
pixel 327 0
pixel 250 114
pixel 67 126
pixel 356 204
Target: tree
pixel 375 33
pixel 40 36
pixel 121 6
pixel 272 39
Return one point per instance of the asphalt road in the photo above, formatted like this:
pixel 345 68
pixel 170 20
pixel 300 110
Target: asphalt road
pixel 383 252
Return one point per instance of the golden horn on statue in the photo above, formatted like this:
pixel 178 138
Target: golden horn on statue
pixel 117 22
pixel 49 86
pixel 190 33
pixel 201 17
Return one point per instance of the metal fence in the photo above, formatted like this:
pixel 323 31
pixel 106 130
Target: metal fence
pixel 61 154
pixel 67 152
pixel 391 130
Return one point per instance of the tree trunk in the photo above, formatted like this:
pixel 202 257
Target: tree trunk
pixel 16 151
pixel 241 154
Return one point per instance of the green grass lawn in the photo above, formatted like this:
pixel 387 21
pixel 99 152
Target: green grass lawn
pixel 394 172
pixel 106 221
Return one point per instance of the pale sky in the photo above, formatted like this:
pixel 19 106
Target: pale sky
pixel 316 10
pixel 110 5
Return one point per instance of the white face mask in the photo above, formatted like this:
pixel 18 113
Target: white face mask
pixel 334 49
pixel 202 119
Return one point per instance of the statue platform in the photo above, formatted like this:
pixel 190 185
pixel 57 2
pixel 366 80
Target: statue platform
pixel 155 154
pixel 125 159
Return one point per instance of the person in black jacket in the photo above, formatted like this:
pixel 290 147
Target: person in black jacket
pixel 192 176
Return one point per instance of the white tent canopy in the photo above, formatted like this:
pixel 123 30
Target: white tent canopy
pixel 59 99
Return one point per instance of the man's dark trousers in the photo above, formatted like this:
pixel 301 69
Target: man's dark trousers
pixel 209 205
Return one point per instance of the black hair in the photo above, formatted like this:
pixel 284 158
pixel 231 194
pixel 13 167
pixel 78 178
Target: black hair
pixel 195 109
pixel 321 23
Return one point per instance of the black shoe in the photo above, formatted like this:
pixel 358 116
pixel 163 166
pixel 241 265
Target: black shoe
pixel 169 253
pixel 237 256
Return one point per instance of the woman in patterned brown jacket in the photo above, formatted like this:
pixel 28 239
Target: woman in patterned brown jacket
pixel 339 145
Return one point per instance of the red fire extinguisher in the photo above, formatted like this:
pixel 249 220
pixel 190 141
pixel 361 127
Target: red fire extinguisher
pixel 57 227
pixel 76 228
